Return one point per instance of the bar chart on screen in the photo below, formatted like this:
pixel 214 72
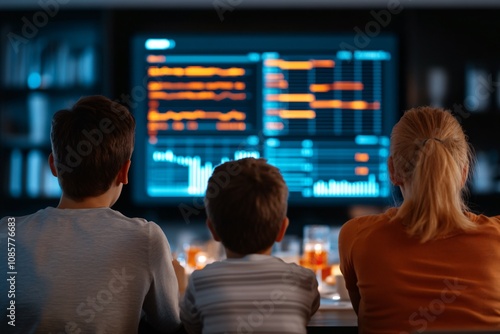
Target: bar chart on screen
pixel 336 96
pixel 321 114
pixel 183 166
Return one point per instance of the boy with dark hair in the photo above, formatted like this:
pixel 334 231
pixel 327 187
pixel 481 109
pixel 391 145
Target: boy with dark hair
pixel 251 291
pixel 83 267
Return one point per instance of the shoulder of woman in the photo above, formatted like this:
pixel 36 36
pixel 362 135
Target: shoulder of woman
pixel 367 219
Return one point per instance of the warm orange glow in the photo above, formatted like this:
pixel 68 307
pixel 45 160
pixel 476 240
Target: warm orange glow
pixel 361 157
pixel 191 253
pixel 309 114
pixel 235 126
pixel 338 85
pixel 291 97
pixel 156 59
pixel 203 95
pixel 361 171
pixel 315 259
pixel 338 104
pixel 195 71
pixel 196 85
pixel 154 115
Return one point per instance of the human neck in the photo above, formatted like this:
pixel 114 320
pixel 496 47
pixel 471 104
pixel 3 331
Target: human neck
pixel 105 200
pixel 232 255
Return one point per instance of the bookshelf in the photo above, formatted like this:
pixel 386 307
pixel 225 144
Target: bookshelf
pixel 40 74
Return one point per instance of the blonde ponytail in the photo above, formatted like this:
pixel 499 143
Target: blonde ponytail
pixel 431 157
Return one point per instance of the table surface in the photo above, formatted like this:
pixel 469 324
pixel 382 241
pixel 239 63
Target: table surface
pixel 334 313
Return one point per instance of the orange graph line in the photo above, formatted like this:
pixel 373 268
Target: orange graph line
pixel 196 85
pixel 361 171
pixel 361 157
pixel 203 95
pixel 338 85
pixel 283 84
pixel 178 126
pixel 195 71
pixel 308 114
pixel 338 104
pixel 273 112
pixel 291 97
pixel 156 59
pixel 323 63
pixel 155 116
pixel 154 127
pixel 192 125
pixel 288 65
pixel 235 126
pixel 298 65
pixel 275 126
pixel 153 104
pixel 275 76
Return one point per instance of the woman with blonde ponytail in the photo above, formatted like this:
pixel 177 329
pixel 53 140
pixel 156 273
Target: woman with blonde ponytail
pixel 431 263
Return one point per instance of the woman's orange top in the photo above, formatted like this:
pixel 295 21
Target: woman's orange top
pixel 399 285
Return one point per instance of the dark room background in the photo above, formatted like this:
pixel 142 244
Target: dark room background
pixel 448 56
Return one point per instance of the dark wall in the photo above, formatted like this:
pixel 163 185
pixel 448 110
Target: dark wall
pixel 452 39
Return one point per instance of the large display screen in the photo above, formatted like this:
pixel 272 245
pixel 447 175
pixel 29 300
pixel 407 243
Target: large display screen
pixel 315 106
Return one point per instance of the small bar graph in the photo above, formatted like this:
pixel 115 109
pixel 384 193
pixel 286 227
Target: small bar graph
pixel 184 170
pixel 332 188
pixel 314 169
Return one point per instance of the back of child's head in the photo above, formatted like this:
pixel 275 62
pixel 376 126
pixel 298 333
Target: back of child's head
pixel 246 201
pixel 91 142
pixel 431 156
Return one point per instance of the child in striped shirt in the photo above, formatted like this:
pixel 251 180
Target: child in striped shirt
pixel 251 291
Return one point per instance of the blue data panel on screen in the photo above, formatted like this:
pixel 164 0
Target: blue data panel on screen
pixel 318 110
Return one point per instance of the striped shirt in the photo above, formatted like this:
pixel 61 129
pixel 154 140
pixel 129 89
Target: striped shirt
pixel 254 294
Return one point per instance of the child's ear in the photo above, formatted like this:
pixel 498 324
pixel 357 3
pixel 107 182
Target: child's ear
pixel 284 226
pixel 212 230
pixel 123 173
pixel 52 164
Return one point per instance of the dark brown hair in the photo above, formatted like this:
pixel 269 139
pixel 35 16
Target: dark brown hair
pixel 246 201
pixel 90 143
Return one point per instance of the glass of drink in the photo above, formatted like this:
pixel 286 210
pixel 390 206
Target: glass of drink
pixel 316 245
pixel 191 252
